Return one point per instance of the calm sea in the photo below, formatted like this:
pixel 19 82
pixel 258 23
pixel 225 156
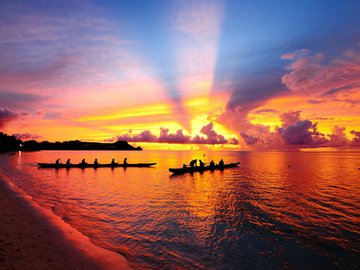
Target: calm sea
pixel 297 210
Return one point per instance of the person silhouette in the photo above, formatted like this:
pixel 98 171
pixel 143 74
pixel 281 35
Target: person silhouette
pixel 113 162
pixel 202 164
pixel 193 163
pixel 221 163
pixel 125 161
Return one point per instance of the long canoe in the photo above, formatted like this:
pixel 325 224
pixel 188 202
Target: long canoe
pixel 199 169
pixel 91 165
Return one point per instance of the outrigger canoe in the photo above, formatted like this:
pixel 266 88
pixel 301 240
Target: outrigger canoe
pixel 91 165
pixel 199 169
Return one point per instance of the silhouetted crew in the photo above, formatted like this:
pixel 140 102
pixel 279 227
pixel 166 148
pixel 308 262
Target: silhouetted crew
pixel 83 162
pixel 193 163
pixel 221 163
pixel 125 161
pixel 96 163
pixel 202 164
pixel 184 166
pixel 113 162
pixel 57 162
pixel 212 164
pixel 68 162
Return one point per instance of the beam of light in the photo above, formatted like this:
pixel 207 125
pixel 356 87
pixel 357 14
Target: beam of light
pixel 137 127
pixel 200 121
pixel 196 28
pixel 145 110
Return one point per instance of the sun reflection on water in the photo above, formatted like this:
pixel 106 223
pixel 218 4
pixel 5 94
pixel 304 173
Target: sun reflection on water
pixel 275 209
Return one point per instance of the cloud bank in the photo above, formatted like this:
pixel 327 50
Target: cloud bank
pixel 27 136
pixel 295 132
pixel 211 137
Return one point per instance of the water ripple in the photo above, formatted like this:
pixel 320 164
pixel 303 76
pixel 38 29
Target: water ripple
pixel 262 215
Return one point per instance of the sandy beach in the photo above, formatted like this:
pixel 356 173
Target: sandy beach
pixel 34 238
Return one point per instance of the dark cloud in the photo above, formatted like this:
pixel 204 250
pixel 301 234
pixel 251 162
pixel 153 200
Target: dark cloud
pixel 27 136
pixel 249 139
pixel 265 111
pixel 6 115
pixel 297 133
pixel 351 102
pixel 315 101
pixel 294 132
pixel 211 137
pixel 302 132
pixel 356 138
pixel 233 141
pixel 339 89
pixel 178 137
pixel 144 136
pixel 8 98
pixel 323 118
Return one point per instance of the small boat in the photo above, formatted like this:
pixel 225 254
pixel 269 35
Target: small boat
pixel 199 169
pixel 92 165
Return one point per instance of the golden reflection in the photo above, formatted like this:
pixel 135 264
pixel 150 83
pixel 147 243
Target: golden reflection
pixel 280 192
pixel 19 160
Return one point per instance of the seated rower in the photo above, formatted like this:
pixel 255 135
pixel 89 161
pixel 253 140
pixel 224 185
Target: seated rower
pixel 57 162
pixel 184 166
pixel 125 161
pixel 83 162
pixel 96 163
pixel 113 162
pixel 68 162
pixel 221 163
pixel 193 163
pixel 212 164
pixel 202 164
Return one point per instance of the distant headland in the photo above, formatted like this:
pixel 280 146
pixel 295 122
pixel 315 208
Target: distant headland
pixel 11 143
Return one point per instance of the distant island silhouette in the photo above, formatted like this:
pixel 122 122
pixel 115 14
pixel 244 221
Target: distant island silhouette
pixel 11 143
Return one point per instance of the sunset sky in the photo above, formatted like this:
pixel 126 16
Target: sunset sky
pixel 172 74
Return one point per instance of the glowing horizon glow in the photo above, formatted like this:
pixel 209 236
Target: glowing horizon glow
pixel 96 72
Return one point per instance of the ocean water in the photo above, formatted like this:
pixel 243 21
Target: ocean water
pixel 296 210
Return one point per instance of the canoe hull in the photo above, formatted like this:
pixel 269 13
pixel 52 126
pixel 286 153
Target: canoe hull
pixel 206 168
pixel 82 166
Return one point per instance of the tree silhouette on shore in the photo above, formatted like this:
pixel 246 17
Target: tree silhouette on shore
pixel 11 143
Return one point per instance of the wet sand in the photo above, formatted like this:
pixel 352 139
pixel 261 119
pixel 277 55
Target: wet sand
pixel 34 238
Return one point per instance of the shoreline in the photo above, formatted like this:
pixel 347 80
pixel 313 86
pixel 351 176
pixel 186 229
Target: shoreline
pixel 33 237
